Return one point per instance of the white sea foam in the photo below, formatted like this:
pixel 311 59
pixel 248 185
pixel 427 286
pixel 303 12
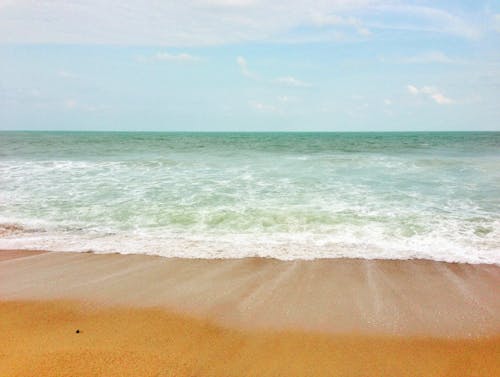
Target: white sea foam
pixel 284 197
pixel 366 243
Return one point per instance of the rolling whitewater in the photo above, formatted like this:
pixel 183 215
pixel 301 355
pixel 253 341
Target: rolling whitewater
pixel 228 195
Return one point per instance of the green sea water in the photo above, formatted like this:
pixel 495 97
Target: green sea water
pixel 227 195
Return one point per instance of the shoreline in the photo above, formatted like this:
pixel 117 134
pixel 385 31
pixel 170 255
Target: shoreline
pixel 394 297
pixel 155 316
pixel 21 253
pixel 15 253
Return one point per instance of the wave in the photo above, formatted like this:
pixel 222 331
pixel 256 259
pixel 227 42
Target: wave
pixel 372 244
pixel 397 196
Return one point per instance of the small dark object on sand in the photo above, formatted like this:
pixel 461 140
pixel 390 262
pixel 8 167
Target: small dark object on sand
pixel 78 331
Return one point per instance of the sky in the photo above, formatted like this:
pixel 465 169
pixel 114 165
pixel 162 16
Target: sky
pixel 250 65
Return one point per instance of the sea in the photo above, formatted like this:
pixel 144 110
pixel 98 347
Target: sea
pixel 231 195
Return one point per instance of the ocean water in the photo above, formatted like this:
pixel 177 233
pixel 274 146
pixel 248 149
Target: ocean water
pixel 228 195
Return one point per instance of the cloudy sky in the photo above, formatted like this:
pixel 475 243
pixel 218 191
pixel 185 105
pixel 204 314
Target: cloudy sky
pixel 250 65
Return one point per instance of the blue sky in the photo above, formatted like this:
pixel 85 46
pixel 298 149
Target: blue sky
pixel 250 65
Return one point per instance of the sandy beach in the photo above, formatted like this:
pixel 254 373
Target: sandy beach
pixel 244 188
pixel 256 317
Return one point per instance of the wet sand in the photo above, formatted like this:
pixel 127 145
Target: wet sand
pixel 143 315
pixel 11 254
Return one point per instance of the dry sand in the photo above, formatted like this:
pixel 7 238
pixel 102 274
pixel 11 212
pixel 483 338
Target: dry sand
pixel 40 339
pixel 148 316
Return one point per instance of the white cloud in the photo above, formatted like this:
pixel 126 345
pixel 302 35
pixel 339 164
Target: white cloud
pixel 287 99
pixel 387 102
pixel 72 104
pixel 321 20
pixel 422 58
pixel 245 71
pixel 66 75
pixel 242 63
pixel 164 56
pixel 496 22
pixel 429 57
pixel 426 19
pixel 262 107
pixel 292 81
pixel 181 57
pixel 412 89
pixel 441 99
pixel 285 80
pixel 228 3
pixel 428 90
pixel 212 22
pixel 280 105
pixel 432 93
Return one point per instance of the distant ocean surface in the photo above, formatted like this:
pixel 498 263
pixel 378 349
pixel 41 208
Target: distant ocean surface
pixel 228 195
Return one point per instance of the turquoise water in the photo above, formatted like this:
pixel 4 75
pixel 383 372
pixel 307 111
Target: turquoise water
pixel 282 195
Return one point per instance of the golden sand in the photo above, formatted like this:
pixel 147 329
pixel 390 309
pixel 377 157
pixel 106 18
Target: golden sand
pixel 139 315
pixel 40 339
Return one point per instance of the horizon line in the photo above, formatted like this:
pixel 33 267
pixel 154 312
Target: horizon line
pixel 263 132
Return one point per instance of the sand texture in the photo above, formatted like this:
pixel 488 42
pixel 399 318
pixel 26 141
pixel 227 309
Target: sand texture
pixel 151 316
pixel 40 339
pixel 422 298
